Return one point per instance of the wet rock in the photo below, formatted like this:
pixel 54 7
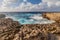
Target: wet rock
pixel 2 16
pixel 13 30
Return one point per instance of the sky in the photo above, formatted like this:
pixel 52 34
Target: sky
pixel 29 5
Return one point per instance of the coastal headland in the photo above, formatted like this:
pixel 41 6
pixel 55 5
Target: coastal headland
pixel 13 30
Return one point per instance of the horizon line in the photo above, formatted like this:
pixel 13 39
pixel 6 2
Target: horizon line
pixel 35 11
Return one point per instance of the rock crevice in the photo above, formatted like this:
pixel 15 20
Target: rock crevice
pixel 13 30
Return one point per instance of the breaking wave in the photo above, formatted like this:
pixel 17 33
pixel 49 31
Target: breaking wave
pixel 29 18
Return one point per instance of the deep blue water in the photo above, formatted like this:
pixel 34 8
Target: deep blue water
pixel 28 18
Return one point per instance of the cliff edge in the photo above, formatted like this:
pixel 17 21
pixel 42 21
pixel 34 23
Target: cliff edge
pixel 52 16
pixel 13 30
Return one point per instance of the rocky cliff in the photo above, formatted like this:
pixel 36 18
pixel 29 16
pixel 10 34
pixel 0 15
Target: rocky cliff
pixel 41 32
pixel 52 16
pixel 8 28
pixel 13 30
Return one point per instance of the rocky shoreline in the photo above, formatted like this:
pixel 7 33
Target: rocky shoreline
pixel 13 30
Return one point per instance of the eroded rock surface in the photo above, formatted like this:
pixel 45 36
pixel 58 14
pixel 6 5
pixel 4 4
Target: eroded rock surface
pixel 40 32
pixel 52 16
pixel 8 29
pixel 12 30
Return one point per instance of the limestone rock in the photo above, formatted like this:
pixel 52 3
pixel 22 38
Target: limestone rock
pixel 13 30
pixel 52 16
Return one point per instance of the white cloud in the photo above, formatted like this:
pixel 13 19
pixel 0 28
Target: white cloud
pixel 45 5
pixel 58 3
pixel 50 0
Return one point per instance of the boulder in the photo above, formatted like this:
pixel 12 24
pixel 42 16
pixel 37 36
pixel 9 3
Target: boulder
pixel 2 16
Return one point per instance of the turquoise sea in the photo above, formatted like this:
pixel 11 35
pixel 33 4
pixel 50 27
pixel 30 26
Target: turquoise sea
pixel 28 17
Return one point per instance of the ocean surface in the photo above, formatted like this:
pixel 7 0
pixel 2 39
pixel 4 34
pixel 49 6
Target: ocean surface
pixel 28 17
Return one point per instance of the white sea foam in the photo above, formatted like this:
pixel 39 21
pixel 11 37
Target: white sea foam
pixel 35 19
pixel 11 18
